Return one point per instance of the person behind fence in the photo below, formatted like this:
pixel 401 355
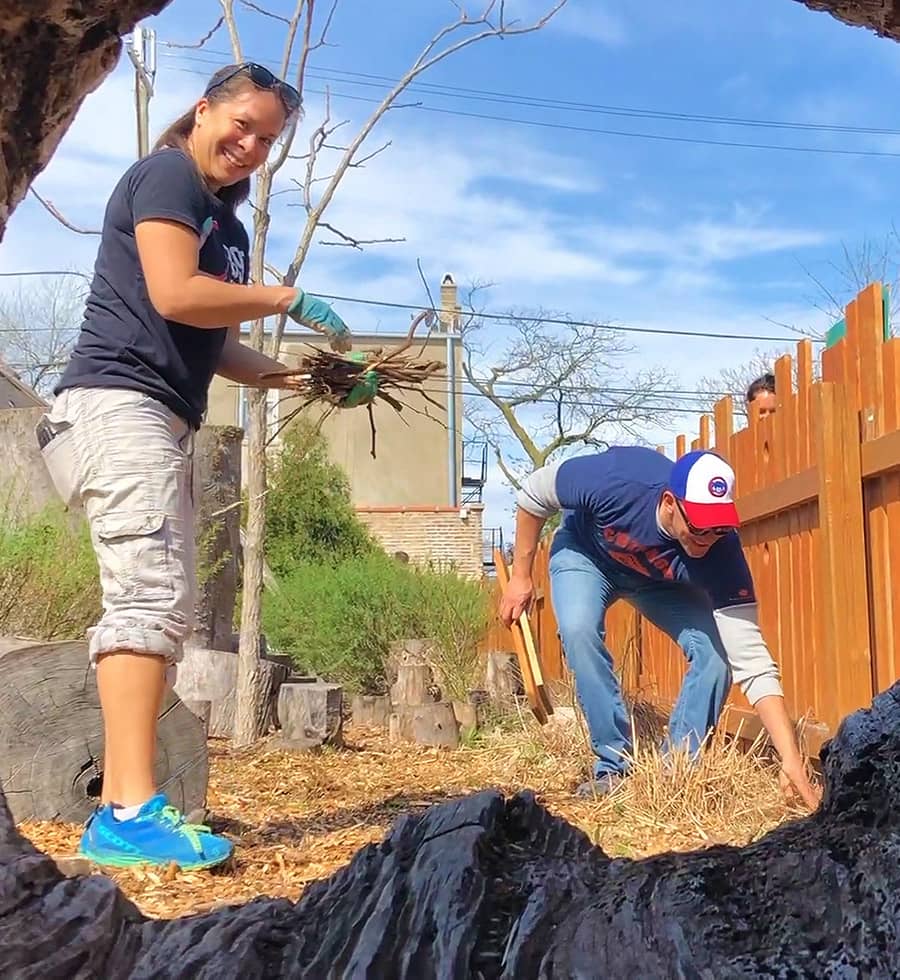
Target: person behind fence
pixel 761 392
pixel 663 537
pixel 169 292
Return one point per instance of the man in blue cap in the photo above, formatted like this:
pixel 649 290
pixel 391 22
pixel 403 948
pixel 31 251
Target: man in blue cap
pixel 663 537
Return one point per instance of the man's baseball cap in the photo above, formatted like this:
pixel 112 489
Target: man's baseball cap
pixel 704 483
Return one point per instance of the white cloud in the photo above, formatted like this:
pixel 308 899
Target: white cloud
pixel 591 20
pixel 593 23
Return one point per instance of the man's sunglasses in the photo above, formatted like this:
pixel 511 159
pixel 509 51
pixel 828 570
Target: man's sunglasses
pixel 701 532
pixel 262 78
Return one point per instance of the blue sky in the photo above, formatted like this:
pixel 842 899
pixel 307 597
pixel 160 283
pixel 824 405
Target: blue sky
pixel 635 231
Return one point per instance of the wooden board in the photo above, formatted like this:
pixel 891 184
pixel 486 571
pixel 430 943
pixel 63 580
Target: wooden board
pixel 51 737
pixel 537 697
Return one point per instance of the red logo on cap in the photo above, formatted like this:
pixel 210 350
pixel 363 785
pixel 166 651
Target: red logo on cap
pixel 718 486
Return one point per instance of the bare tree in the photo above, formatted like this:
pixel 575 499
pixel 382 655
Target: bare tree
pixel 734 380
pixel 39 324
pixel 305 31
pixel 836 282
pixel 871 260
pixel 555 384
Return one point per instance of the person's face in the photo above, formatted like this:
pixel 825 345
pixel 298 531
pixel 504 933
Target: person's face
pixel 765 400
pixel 233 136
pixel 695 541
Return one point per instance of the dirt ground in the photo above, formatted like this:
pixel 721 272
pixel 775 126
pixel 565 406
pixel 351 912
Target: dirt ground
pixel 299 817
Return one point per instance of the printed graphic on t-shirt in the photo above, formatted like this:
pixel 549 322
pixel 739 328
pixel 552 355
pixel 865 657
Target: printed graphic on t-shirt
pixel 237 266
pixel 224 261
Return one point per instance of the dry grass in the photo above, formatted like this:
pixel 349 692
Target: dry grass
pixel 299 817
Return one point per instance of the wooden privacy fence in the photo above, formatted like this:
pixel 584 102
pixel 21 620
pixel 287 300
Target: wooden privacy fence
pixel 818 491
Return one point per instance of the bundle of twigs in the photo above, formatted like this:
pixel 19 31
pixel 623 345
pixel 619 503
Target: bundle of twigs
pixel 361 378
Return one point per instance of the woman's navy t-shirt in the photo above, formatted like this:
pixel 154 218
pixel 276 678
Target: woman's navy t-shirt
pixel 124 342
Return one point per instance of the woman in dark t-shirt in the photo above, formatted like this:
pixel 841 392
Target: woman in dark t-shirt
pixel 169 293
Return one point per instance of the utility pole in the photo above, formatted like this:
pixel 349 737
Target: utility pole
pixel 142 52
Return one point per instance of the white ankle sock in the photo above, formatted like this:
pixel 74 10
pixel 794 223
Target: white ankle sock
pixel 126 812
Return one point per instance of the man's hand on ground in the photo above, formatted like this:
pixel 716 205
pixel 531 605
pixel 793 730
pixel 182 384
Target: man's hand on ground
pixel 517 598
pixel 797 782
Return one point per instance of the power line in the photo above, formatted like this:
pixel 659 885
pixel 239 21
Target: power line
pixel 567 127
pixel 558 321
pixel 592 130
pixel 553 321
pixel 470 389
pixel 570 128
pixel 369 79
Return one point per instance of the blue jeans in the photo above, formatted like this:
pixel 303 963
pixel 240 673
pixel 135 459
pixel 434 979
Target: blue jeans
pixel 583 588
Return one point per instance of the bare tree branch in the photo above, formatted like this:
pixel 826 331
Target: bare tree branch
pixel 431 54
pixel 51 207
pixel 199 44
pixel 362 161
pixel 233 35
pixel 348 241
pixel 265 13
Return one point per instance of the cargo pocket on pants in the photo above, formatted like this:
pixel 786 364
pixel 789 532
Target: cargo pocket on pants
pixel 134 554
pixel 57 448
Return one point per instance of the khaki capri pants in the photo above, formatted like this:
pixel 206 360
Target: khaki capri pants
pixel 127 460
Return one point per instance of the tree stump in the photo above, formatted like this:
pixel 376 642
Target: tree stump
pixel 499 888
pixel 404 652
pixel 419 713
pixel 371 710
pixel 466 715
pixel 310 714
pixel 51 737
pixel 503 681
pixel 414 685
pixel 211 675
pixel 434 725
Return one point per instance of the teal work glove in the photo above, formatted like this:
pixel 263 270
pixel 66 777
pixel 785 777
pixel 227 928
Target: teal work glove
pixel 316 313
pixel 365 390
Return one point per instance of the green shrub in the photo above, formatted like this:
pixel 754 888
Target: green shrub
pixel 339 621
pixel 49 582
pixel 309 515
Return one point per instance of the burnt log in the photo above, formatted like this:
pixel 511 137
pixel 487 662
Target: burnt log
pixel 487 887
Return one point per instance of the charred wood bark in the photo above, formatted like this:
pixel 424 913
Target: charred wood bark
pixel 488 887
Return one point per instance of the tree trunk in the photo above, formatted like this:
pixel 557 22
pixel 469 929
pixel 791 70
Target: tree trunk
pixel 495 888
pixel 250 707
pixel 217 491
pixel 51 737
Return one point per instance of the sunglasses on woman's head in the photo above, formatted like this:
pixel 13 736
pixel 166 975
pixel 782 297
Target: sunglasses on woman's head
pixel 701 532
pixel 262 78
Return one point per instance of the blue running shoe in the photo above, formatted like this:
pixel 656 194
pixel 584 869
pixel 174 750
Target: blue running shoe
pixel 157 835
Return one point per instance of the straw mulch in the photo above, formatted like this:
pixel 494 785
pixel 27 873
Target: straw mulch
pixel 299 817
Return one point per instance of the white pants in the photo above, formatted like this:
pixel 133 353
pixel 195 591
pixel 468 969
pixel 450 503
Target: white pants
pixel 127 460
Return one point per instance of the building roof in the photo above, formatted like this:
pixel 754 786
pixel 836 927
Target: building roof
pixel 14 392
